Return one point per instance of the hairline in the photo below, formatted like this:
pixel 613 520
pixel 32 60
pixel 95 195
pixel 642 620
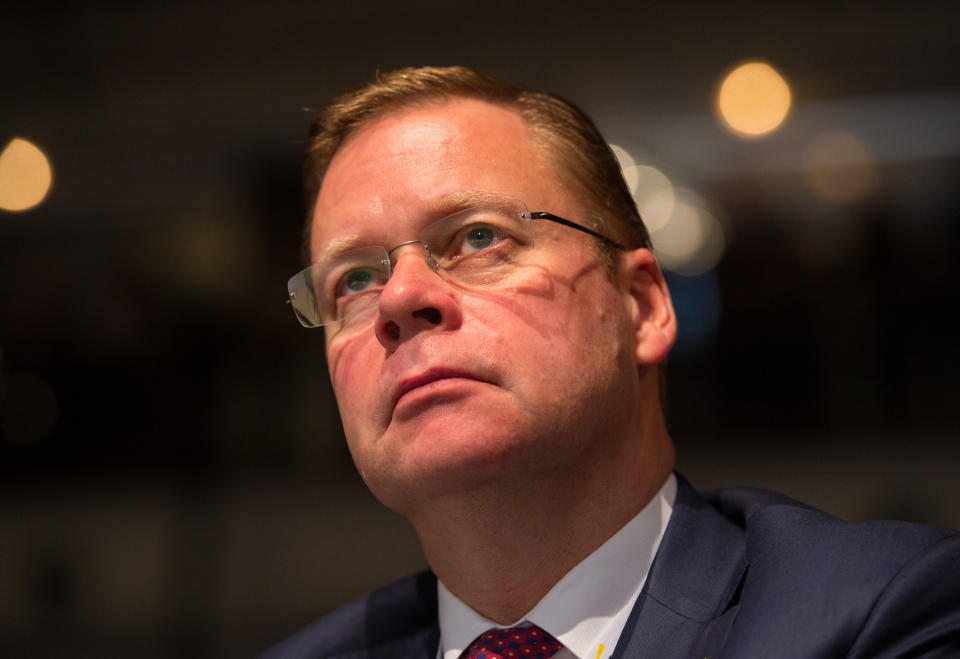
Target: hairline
pixel 539 135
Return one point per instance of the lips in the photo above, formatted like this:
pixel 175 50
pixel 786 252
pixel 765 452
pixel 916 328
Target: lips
pixel 425 378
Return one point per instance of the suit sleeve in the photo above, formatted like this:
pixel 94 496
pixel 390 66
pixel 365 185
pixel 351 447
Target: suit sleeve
pixel 918 613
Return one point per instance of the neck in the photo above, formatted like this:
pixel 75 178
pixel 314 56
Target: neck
pixel 478 542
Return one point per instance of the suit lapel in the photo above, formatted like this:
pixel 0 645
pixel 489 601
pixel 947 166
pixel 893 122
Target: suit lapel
pixel 401 621
pixel 420 645
pixel 691 593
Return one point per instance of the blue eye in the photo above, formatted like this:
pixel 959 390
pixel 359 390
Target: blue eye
pixel 478 238
pixel 355 281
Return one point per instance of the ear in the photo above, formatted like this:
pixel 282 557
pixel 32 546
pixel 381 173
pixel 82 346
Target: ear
pixel 655 324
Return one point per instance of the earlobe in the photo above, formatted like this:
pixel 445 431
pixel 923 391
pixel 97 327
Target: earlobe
pixel 655 324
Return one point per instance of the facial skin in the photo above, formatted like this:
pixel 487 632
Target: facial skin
pixel 451 390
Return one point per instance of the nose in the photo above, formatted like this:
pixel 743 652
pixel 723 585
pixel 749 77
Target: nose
pixel 416 298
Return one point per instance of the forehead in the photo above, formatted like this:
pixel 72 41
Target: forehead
pixel 395 172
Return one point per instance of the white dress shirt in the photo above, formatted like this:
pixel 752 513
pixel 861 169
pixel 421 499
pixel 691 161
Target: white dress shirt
pixel 589 606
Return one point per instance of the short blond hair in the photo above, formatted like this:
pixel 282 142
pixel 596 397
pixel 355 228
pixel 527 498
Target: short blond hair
pixel 564 133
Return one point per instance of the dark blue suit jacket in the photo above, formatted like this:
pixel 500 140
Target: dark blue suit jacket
pixel 740 573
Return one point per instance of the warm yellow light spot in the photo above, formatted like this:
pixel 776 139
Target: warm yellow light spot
pixel 754 99
pixel 838 167
pixel 25 176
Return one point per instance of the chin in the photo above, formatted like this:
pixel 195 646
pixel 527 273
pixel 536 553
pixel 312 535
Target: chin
pixel 443 464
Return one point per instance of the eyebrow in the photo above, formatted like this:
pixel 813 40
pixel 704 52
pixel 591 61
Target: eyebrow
pixel 458 201
pixel 442 207
pixel 338 246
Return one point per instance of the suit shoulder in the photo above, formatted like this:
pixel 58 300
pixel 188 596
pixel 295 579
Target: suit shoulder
pixel 818 586
pixel 774 522
pixel 791 547
pixel 393 618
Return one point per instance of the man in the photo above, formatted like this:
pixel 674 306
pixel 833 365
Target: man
pixel 495 324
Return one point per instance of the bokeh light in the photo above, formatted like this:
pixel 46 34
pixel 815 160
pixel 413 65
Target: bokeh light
pixel 210 250
pixel 25 175
pixel 651 189
pixel 692 242
pixel 627 163
pixel 753 100
pixel 838 167
pixel 654 196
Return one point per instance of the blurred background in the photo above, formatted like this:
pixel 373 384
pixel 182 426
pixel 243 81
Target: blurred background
pixel 173 478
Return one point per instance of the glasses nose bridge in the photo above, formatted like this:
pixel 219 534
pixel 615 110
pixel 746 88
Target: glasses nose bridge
pixel 427 255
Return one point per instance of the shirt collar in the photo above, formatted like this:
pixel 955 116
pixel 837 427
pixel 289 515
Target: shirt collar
pixel 589 606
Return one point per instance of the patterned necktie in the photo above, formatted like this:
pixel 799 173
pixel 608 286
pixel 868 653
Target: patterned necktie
pixel 529 642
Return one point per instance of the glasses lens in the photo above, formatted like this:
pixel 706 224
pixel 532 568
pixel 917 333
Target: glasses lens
pixel 479 246
pixel 340 289
pixel 352 283
pixel 302 299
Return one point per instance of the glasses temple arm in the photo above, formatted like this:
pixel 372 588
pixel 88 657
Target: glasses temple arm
pixel 540 215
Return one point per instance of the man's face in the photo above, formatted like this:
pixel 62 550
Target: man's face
pixel 451 388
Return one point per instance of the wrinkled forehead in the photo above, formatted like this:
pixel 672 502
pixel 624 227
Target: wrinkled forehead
pixel 414 165
pixel 458 205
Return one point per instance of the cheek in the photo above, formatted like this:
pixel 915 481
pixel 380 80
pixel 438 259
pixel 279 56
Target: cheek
pixel 557 340
pixel 351 364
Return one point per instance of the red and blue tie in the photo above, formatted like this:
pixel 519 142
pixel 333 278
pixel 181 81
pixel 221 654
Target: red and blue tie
pixel 528 642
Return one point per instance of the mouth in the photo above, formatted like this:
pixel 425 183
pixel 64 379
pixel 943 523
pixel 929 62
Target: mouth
pixel 428 377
